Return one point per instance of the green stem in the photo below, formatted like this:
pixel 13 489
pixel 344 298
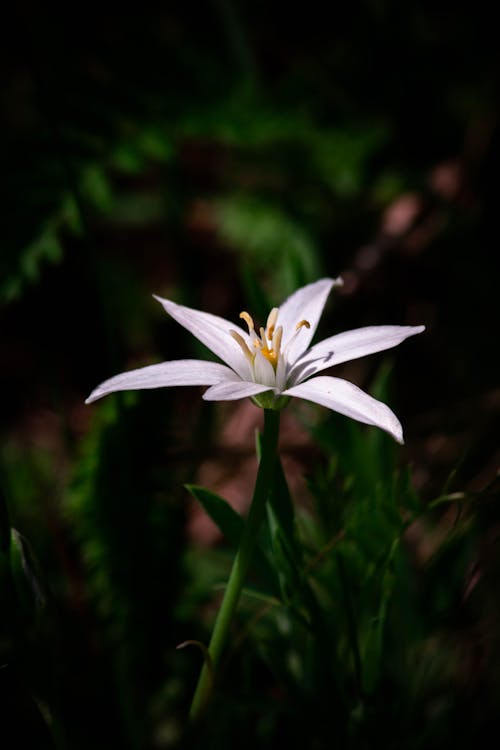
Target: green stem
pixel 241 562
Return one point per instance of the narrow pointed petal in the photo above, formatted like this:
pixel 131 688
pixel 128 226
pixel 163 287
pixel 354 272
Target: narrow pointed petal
pixel 212 331
pixel 306 303
pixel 281 372
pixel 348 399
pixel 165 374
pixel 264 371
pixel 231 391
pixel 350 345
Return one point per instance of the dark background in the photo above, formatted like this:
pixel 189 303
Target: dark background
pixel 223 154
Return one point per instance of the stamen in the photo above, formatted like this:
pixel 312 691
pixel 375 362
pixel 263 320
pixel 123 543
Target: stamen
pixel 268 340
pixel 263 338
pixel 277 339
pixel 271 322
pixel 302 323
pixel 248 320
pixel 241 341
pixel 271 357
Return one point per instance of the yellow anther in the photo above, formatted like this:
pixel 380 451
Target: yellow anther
pixel 248 320
pixel 271 356
pixel 302 323
pixel 277 339
pixel 241 341
pixel 271 322
pixel 270 348
pixel 267 341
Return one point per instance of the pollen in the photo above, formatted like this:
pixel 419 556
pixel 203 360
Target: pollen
pixel 270 339
pixel 302 323
pixel 271 355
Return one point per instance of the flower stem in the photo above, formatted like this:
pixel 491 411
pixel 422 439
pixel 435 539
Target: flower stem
pixel 263 486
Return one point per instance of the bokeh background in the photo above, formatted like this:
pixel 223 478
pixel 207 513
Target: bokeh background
pixel 223 154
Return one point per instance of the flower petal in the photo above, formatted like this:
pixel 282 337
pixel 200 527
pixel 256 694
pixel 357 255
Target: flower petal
pixel 212 331
pixel 177 372
pixel 231 391
pixel 281 372
pixel 348 399
pixel 350 345
pixel 306 303
pixel 263 371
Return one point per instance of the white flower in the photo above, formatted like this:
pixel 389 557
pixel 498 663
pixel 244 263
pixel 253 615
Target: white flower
pixel 276 362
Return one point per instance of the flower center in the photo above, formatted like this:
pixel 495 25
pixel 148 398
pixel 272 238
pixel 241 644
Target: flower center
pixel 267 341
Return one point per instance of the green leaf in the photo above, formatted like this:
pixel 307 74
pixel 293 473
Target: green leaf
pixel 281 501
pixel 289 571
pixel 227 520
pixel 231 525
pixel 373 649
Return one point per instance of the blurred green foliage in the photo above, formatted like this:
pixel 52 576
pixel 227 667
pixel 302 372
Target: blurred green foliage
pixel 364 645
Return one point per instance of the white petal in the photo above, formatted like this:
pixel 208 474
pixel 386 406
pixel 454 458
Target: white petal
pixel 177 372
pixel 350 345
pixel 263 370
pixel 212 331
pixel 306 303
pixel 232 391
pixel 348 399
pixel 281 372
